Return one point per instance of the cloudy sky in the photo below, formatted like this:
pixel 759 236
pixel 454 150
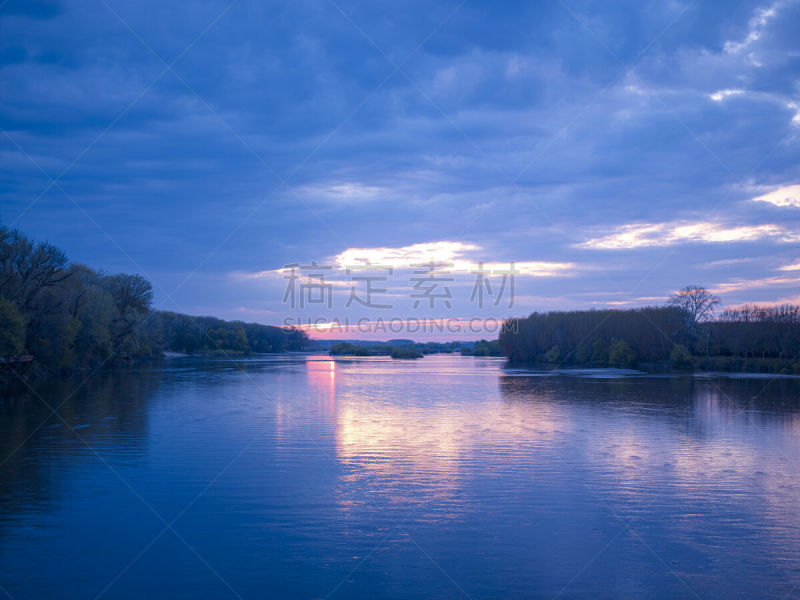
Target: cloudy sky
pixel 613 152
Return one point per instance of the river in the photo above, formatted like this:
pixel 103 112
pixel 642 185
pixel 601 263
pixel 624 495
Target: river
pixel 299 476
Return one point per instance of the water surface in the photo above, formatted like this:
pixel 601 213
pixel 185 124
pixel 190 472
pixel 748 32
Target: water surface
pixel 448 477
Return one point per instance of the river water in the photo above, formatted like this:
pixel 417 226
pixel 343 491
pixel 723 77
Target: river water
pixel 298 476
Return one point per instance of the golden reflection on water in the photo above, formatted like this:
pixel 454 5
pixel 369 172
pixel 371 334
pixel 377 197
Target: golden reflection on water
pixel 429 434
pixel 406 433
pixel 321 376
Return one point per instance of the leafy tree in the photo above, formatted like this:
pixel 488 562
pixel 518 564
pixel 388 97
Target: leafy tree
pixel 69 315
pixel 184 333
pixel 483 348
pixel 680 357
pixel 757 331
pixel 90 303
pixel 405 352
pixel 599 352
pixel 583 354
pixel 12 330
pixel 348 349
pixel 620 354
pixel 585 337
pixel 132 296
pixel 553 355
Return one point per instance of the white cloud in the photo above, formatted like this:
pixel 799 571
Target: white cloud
pixel 254 311
pixel 795 266
pixel 450 257
pixel 749 284
pixel 785 196
pixel 726 262
pixel 640 235
pixel 722 94
pixel 284 273
pixel 404 256
pixel 457 256
pixel 779 302
pixel 755 29
pixel 344 192
pixel 778 99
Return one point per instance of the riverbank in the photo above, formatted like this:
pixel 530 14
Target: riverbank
pixel 720 364
pixel 749 340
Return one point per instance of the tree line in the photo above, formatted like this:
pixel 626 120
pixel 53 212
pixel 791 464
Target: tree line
pixel 406 350
pixel 479 348
pixel 68 315
pixel 757 332
pixel 685 332
pixel 209 335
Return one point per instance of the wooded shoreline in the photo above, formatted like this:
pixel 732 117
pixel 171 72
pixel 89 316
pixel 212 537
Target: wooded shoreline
pixel 68 316
pixel 748 339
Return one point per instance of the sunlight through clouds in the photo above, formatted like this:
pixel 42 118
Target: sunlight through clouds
pixel 452 254
pixel 452 257
pixel 405 256
pixel 785 196
pixel 795 266
pixel 750 284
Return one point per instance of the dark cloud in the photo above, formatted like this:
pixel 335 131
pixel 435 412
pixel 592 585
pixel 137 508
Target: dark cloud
pixel 285 131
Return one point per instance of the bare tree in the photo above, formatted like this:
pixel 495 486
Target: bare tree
pixel 697 302
pixel 28 269
pixel 132 296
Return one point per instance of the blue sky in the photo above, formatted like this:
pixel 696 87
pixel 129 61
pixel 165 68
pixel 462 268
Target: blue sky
pixel 613 151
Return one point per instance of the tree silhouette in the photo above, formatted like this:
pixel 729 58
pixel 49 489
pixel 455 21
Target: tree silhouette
pixel 696 302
